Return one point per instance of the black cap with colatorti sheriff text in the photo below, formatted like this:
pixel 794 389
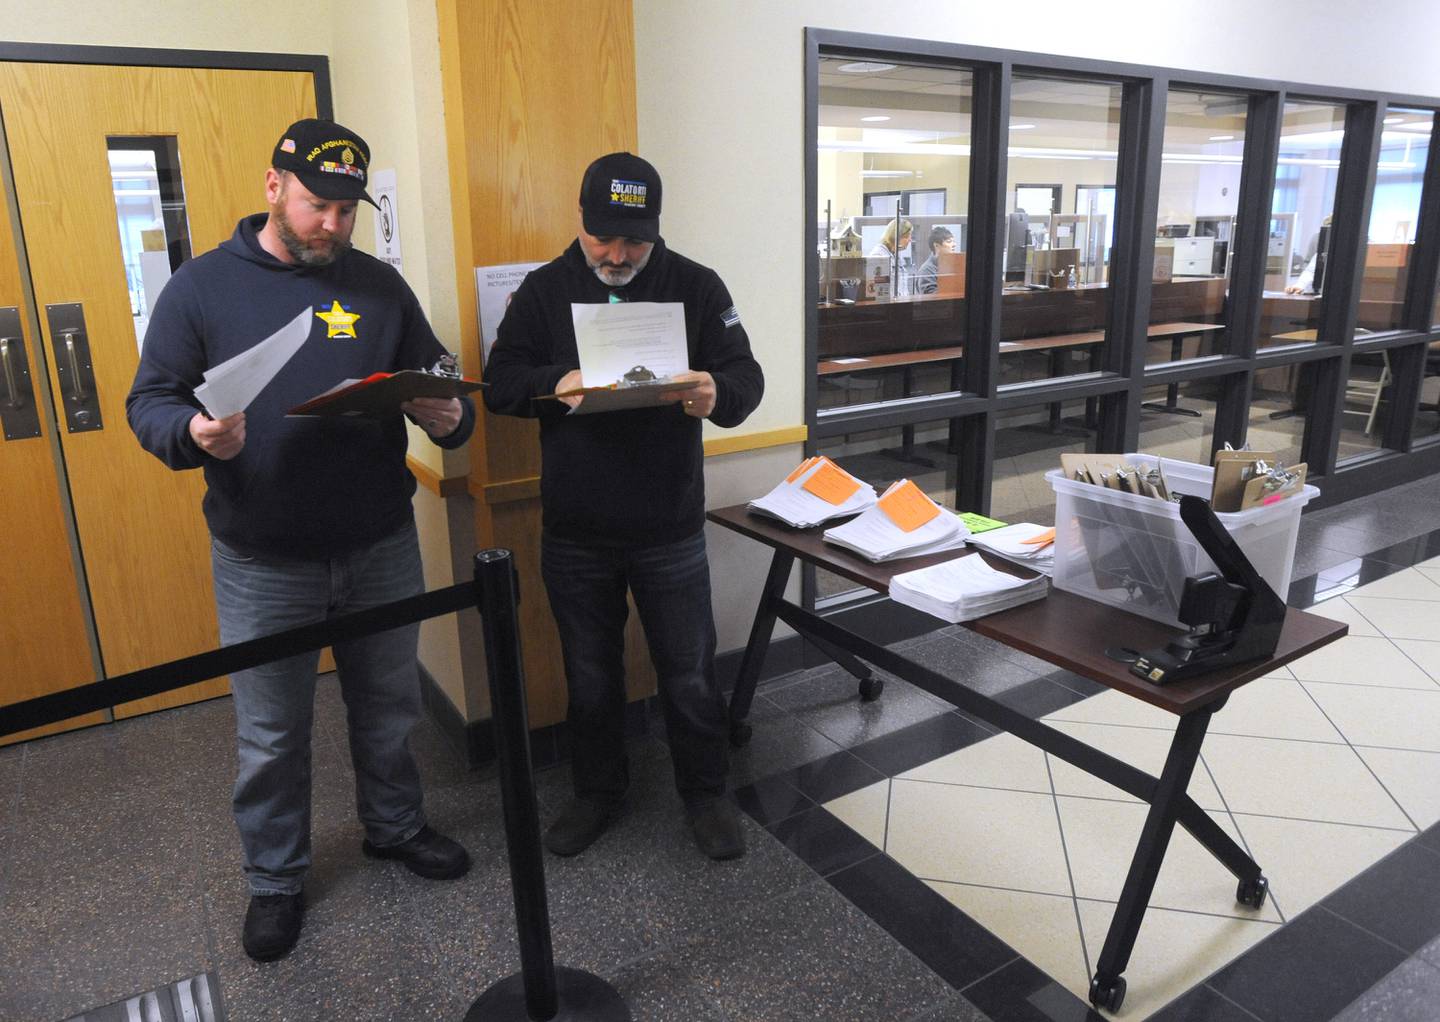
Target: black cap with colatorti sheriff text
pixel 329 159
pixel 620 197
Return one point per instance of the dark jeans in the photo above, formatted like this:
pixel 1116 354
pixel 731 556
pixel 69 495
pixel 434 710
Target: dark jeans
pixel 671 585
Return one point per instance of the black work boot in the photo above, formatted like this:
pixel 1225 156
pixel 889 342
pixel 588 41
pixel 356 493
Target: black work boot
pixel 428 853
pixel 579 825
pixel 716 827
pixel 272 925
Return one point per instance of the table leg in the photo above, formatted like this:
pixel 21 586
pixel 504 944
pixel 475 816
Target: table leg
pixel 1107 988
pixel 1172 392
pixel 754 656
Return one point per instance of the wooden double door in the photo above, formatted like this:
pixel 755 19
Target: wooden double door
pixel 104 550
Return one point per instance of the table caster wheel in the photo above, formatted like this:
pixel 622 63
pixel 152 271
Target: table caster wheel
pixel 1108 996
pixel 1253 892
pixel 871 687
pixel 740 734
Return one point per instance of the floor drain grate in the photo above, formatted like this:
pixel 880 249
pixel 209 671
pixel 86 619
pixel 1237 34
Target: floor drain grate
pixel 187 1000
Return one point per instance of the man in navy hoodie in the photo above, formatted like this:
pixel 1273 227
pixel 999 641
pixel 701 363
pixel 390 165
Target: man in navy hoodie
pixel 623 500
pixel 309 517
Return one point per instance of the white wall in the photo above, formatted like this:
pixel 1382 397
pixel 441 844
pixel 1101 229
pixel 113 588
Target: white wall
pixel 720 98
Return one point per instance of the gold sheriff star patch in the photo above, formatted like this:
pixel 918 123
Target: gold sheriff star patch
pixel 339 322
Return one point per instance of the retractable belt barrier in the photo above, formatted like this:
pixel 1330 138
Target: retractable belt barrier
pixel 540 991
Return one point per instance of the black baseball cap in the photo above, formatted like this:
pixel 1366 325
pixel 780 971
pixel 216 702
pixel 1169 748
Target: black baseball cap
pixel 620 197
pixel 329 159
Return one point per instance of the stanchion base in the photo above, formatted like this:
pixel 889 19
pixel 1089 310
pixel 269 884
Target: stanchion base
pixel 583 997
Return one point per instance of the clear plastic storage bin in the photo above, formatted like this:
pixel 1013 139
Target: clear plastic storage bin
pixel 1135 553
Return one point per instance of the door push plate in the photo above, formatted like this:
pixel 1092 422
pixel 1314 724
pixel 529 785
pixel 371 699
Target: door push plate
pixel 71 345
pixel 18 412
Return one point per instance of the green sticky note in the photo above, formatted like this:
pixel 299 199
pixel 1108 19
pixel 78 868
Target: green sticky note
pixel 979 523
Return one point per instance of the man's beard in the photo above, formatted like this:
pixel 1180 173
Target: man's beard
pixel 619 276
pixel 301 252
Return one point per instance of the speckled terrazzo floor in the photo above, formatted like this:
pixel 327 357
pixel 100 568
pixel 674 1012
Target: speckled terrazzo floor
pixel 119 868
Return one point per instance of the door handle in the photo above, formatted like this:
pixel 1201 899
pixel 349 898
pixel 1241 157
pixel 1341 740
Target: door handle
pixel 71 344
pixel 13 397
pixel 19 415
pixel 77 385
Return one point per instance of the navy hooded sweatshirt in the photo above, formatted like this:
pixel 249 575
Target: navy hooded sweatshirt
pixel 308 488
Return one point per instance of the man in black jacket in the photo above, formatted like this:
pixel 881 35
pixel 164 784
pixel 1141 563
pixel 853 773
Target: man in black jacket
pixel 623 498
pixel 310 517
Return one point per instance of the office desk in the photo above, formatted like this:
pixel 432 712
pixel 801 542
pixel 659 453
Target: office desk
pixel 1176 333
pixel 1063 629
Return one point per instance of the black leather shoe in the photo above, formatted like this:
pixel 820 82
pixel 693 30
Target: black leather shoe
pixel 579 825
pixel 429 854
pixel 272 925
pixel 716 826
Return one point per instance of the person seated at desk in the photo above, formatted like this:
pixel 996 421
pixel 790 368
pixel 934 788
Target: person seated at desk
pixel 1305 283
pixel 941 239
pixel 886 248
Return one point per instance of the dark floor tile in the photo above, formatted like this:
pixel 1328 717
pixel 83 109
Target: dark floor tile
pixel 829 701
pixel 931 928
pixel 1310 968
pixel 1431 953
pixel 771 800
pixel 1397 899
pixel 952 1009
pixel 822 841
pixel 1430 837
pixel 100 764
pixel 1039 697
pixel 921 743
pixel 832 776
pixel 1408 552
pixel 1201 1004
pixel 1022 993
pixel 779 741
pixel 1312 558
pixel 811 955
pixel 977 667
pixel 1411 993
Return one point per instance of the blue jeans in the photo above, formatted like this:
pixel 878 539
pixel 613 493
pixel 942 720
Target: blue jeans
pixel 671 585
pixel 275 703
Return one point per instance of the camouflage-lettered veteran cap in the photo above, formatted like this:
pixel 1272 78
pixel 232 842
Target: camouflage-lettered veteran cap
pixel 328 158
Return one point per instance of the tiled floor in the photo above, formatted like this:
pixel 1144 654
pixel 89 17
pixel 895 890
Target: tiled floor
pixel 119 864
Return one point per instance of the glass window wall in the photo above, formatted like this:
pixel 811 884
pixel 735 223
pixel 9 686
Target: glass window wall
pixel 1279 407
pixel 1427 416
pixel 893 158
pixel 1394 212
pixel 1026 447
pixel 1195 221
pixel 1311 135
pixel 1061 160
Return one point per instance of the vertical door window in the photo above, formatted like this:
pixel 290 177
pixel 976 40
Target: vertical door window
pixel 1063 139
pixel 1311 136
pixel 150 206
pixel 1394 212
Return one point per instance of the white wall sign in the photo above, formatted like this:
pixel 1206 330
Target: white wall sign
pixel 494 285
pixel 387 219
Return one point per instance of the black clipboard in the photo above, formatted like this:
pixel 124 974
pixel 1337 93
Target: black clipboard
pixel 381 394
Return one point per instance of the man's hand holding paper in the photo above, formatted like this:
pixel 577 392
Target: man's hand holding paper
pixel 219 438
pixel 698 401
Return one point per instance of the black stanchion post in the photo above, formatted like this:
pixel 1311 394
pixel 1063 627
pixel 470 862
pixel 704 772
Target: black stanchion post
pixel 539 992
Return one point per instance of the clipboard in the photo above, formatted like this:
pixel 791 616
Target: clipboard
pixel 616 397
pixel 381 394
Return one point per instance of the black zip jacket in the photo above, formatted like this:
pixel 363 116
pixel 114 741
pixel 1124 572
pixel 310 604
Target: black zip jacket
pixel 627 478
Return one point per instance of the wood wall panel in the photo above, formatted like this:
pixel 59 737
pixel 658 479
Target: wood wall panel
pixel 534 91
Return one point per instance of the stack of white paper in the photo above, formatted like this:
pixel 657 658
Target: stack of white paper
pixel 1010 544
pixel 963 589
pixel 795 505
pixel 876 536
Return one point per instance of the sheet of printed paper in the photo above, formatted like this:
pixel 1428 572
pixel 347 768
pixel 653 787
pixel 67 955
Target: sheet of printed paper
pixel 617 338
pixel 234 383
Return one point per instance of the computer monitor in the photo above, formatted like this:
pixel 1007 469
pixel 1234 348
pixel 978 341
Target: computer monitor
pixel 1017 245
